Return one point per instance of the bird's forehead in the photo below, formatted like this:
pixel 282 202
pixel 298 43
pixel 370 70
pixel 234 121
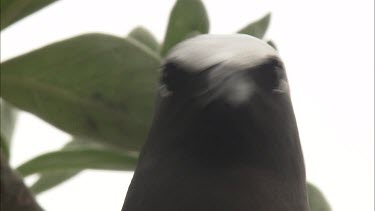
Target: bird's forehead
pixel 238 51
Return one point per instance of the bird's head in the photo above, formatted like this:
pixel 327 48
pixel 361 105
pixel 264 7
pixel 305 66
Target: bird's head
pixel 223 125
pixel 230 70
pixel 227 94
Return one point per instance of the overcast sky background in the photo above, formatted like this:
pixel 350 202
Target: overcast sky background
pixel 328 50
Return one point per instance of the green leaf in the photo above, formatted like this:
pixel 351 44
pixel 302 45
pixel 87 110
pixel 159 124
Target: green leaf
pixel 272 44
pixel 192 34
pixel 14 10
pixel 95 86
pixel 4 148
pixel 79 159
pixel 317 200
pixel 145 37
pixel 257 28
pixel 8 121
pixel 186 16
pixel 51 179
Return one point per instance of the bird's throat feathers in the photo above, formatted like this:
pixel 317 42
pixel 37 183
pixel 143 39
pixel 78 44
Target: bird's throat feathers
pixel 219 134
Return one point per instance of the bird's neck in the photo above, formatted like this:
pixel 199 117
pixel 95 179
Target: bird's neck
pixel 224 157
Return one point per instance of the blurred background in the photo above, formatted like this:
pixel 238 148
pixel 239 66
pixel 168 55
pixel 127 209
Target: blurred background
pixel 328 51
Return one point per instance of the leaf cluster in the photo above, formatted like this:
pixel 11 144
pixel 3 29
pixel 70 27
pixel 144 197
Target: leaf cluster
pixel 97 87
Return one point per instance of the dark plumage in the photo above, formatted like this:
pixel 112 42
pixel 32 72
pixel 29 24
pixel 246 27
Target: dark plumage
pixel 224 135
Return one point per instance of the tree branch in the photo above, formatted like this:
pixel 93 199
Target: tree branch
pixel 14 194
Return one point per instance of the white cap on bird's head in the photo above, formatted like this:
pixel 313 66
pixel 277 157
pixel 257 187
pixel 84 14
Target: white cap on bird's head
pixel 232 67
pixel 238 51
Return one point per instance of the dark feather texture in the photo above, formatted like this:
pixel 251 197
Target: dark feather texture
pixel 224 135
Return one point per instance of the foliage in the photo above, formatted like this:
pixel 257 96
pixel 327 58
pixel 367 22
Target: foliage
pixel 97 87
pixel 316 199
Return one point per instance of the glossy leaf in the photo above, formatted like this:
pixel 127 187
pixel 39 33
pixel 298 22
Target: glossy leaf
pixel 186 17
pixel 258 28
pixel 8 121
pixel 79 159
pixel 317 200
pixel 4 148
pixel 94 86
pixel 14 10
pixel 145 37
pixel 51 179
pixel 272 44
pixel 192 34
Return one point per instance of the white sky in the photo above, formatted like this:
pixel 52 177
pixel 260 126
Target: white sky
pixel 328 49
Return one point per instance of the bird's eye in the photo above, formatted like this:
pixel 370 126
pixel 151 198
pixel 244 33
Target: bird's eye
pixel 270 75
pixel 177 80
pixel 173 78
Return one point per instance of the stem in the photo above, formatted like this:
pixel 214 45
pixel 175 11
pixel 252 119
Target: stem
pixel 14 194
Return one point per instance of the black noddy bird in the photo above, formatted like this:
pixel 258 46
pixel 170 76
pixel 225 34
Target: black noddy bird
pixel 224 135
